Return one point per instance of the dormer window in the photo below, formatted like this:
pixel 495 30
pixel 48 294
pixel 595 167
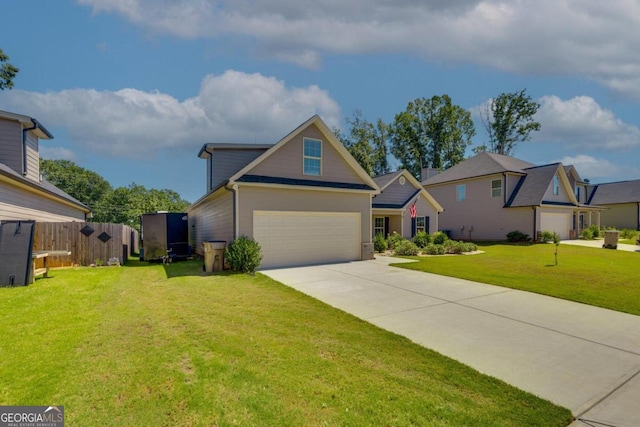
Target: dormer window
pixel 312 157
pixel 556 185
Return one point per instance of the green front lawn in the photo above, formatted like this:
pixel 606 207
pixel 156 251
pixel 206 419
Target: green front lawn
pixel 600 277
pixel 147 346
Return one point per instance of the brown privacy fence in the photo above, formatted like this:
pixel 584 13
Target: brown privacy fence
pixel 89 242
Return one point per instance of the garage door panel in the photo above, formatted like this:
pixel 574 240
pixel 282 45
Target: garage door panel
pixel 297 238
pixel 557 222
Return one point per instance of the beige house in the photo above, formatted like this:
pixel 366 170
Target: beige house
pixel 23 194
pixel 392 208
pixel 305 199
pixel 490 195
pixel 622 200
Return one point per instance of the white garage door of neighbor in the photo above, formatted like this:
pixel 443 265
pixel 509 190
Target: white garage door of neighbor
pixel 556 222
pixel 299 238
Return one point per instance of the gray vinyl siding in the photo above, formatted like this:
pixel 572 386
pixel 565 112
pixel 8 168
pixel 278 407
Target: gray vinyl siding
pixel 11 144
pixel 19 204
pixel 623 215
pixel 211 220
pixel 225 163
pixel 423 208
pixel 396 194
pixel 255 198
pixel 33 158
pixel 287 161
pixel 486 214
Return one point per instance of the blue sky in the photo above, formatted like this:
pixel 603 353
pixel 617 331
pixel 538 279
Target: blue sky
pixel 132 89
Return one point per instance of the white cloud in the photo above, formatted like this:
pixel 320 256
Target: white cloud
pixel 581 122
pixel 232 107
pixel 591 167
pixel 590 38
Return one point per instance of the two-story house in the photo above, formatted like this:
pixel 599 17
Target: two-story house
pixel 305 199
pixel 24 195
pixel 489 195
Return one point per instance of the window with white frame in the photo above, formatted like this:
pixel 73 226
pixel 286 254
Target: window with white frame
pixel 421 224
pixel 378 226
pixel 556 185
pixel 496 188
pixel 461 192
pixel 312 157
pixel 578 193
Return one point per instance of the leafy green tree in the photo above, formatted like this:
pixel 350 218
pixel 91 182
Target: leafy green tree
pixel 367 143
pixel 124 205
pixel 86 186
pixel 7 72
pixel 509 120
pixel 431 132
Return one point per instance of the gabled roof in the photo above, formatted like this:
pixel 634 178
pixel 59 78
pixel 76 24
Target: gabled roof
pixel 206 149
pixel 29 123
pixel 330 138
pixel 532 187
pixel 386 180
pixel 616 192
pixel 43 186
pixel 481 164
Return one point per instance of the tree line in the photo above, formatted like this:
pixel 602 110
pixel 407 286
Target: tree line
pixel 121 205
pixel 434 132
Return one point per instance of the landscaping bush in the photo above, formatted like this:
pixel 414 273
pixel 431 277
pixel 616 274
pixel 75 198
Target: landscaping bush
pixel 517 237
pixel 595 231
pixel 243 254
pixel 406 247
pixel 628 233
pixel 469 247
pixel 379 243
pixel 452 247
pixel 587 234
pixel 432 249
pixel 439 238
pixel 421 239
pixel 546 236
pixel 393 239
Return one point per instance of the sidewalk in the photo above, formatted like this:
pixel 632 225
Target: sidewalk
pixel 598 244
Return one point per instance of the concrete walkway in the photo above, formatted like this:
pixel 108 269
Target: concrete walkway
pixel 598 244
pixel 581 357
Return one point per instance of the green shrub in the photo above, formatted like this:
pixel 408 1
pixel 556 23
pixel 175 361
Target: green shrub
pixel 432 249
pixel 243 254
pixel 379 243
pixel 393 239
pixel 452 247
pixel 628 233
pixel 469 247
pixel 439 238
pixel 546 236
pixel 595 231
pixel 517 237
pixel 421 239
pixel 406 247
pixel 587 234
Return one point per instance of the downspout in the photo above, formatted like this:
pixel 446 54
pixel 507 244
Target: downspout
pixel 209 169
pixel 234 190
pixel 24 146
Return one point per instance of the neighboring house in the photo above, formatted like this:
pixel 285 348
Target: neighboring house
pixel 622 200
pixel 305 199
pixel 490 195
pixel 392 208
pixel 24 195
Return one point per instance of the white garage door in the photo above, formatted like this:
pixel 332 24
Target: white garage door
pixel 299 238
pixel 556 222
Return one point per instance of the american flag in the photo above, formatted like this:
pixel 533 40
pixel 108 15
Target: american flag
pixel 412 210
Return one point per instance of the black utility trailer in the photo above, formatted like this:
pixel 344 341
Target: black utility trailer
pixel 165 236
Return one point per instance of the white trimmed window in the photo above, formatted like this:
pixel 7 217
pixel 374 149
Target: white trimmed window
pixel 421 224
pixel 378 226
pixel 461 192
pixel 312 157
pixel 556 185
pixel 496 188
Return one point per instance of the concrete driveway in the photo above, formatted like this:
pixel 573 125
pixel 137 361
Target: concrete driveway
pixel 581 357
